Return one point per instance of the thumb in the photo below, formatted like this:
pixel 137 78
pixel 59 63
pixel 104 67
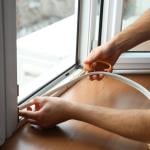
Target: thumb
pixel 93 56
pixel 90 59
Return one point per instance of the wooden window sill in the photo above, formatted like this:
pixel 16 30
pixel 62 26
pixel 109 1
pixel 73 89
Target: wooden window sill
pixel 76 135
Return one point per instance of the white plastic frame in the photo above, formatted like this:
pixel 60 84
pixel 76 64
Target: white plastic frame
pixel 8 72
pixel 10 60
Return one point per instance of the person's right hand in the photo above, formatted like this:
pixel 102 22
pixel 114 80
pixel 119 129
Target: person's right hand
pixel 105 52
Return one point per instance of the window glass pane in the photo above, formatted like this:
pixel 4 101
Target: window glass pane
pixel 97 25
pixel 46 41
pixel 132 10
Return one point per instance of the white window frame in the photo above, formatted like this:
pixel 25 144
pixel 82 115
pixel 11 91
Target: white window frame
pixel 129 62
pixel 9 72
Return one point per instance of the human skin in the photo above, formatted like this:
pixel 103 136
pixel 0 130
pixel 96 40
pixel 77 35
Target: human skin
pixel 131 123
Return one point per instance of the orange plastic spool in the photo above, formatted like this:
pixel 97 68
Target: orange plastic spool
pixel 98 66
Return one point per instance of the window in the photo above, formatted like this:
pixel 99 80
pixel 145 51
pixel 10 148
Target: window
pixel 132 9
pixel 44 35
pixel 46 41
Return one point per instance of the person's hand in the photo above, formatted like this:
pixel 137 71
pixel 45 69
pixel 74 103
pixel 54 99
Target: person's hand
pixel 48 111
pixel 107 53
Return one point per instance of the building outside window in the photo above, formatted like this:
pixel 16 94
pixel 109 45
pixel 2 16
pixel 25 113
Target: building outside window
pixel 46 41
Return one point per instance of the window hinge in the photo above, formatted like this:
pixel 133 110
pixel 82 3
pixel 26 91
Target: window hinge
pixel 17 90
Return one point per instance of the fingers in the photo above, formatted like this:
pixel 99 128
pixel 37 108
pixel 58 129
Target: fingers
pixel 35 102
pixel 89 60
pixel 28 114
pixel 32 121
pixel 97 77
pixel 29 108
pixel 93 56
pixel 26 105
pixel 110 69
pixel 99 65
pixel 88 67
pixel 37 106
pixel 29 103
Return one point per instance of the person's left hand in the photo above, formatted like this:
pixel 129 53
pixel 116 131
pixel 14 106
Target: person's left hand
pixel 48 111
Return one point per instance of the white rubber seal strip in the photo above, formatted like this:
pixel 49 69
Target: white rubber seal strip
pixel 125 80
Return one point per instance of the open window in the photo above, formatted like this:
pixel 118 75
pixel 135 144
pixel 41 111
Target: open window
pixel 42 41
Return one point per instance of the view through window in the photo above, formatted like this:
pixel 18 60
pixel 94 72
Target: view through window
pixel 132 10
pixel 46 41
